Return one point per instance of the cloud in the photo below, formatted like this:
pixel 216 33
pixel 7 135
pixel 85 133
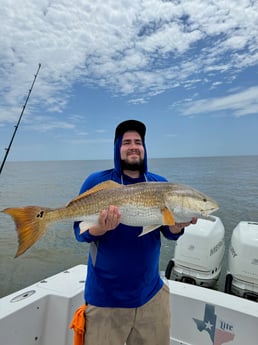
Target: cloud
pixel 239 104
pixel 137 48
pixel 46 123
pixel 137 101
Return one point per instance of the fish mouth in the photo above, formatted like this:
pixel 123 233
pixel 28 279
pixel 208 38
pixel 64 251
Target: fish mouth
pixel 208 211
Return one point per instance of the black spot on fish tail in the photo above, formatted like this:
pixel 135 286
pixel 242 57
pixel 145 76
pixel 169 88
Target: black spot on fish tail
pixel 40 214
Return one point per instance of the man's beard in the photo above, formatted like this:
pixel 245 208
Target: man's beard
pixel 135 166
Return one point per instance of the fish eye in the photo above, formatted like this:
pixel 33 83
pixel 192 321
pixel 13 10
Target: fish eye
pixel 204 199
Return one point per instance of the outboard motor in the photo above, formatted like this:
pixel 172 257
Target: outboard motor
pixel 242 274
pixel 199 254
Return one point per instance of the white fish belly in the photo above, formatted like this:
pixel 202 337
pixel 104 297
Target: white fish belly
pixel 140 216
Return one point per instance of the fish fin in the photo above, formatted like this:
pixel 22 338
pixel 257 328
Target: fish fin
pixel 168 218
pixel 84 226
pixel 148 228
pixel 99 187
pixel 30 225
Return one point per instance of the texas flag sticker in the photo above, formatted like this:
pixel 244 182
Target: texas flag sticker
pixel 220 331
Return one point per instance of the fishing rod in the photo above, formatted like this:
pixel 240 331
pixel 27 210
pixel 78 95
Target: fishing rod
pixel 18 123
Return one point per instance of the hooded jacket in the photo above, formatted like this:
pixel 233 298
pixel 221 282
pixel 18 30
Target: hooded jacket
pixel 123 269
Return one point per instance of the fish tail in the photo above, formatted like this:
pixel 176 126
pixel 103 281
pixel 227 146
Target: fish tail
pixel 31 224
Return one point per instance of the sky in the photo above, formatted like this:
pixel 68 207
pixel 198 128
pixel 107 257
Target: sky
pixel 188 69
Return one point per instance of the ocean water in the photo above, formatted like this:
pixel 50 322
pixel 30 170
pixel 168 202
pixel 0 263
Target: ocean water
pixel 231 181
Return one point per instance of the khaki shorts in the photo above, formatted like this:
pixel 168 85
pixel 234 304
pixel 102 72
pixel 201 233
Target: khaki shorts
pixel 146 325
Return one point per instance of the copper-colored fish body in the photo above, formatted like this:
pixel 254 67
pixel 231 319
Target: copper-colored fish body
pixel 146 204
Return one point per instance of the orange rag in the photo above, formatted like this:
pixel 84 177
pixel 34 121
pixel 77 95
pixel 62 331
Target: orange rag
pixel 78 325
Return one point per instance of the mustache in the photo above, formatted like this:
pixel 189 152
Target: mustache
pixel 133 151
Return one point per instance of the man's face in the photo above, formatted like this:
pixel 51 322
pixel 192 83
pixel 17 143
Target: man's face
pixel 132 151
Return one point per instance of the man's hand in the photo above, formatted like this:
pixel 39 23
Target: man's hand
pixel 175 229
pixel 108 220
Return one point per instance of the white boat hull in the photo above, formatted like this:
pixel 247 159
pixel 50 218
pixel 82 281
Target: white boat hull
pixel 41 313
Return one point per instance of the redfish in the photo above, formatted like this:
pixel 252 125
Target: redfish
pixel 146 204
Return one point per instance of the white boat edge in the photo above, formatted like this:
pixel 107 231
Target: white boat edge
pixel 41 313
